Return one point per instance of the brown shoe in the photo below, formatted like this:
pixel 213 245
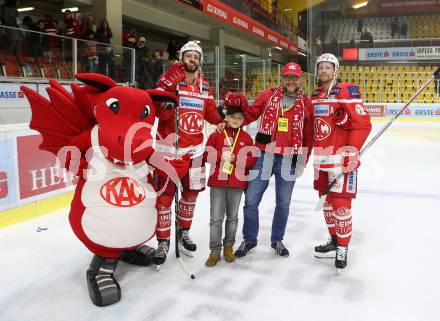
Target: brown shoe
pixel 228 253
pixel 212 259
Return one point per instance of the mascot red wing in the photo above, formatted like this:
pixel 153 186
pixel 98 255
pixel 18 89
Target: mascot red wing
pixel 100 131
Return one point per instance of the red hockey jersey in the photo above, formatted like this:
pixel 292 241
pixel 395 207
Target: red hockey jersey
pixel 195 106
pixel 330 139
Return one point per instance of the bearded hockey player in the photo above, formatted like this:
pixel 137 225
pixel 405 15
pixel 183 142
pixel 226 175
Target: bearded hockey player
pixel 341 126
pixel 196 104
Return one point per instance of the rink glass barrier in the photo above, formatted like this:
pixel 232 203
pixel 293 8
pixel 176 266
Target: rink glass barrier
pixel 29 189
pixel 36 55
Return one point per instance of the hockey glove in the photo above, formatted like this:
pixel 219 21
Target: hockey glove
pixel 174 75
pixel 350 158
pixel 235 100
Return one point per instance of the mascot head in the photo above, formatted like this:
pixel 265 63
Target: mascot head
pixel 125 116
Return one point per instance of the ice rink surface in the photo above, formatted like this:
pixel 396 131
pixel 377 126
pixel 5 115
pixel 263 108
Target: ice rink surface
pixel 392 272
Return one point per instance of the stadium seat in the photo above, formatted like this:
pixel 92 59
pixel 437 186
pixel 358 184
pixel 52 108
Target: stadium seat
pixel 10 66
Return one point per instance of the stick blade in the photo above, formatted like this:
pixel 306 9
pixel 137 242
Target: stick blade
pixel 321 202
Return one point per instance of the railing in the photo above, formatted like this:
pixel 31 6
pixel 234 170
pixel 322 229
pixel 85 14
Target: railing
pixel 244 73
pixel 267 14
pixel 30 54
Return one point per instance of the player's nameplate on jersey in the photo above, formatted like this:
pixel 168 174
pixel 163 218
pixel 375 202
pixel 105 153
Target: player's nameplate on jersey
pixel 227 168
pixel 283 124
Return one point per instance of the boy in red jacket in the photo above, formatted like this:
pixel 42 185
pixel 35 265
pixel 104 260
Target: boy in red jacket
pixel 231 154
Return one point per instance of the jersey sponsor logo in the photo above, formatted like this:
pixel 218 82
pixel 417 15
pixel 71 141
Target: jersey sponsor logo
pixel 123 192
pixel 321 110
pixel 322 129
pixel 354 92
pixel 191 123
pixel 191 103
pixel 360 110
pixel 351 183
pixel 335 91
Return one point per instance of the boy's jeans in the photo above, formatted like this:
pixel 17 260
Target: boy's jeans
pixel 224 200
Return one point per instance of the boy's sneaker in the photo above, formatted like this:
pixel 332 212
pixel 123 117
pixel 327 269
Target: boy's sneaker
pixel 245 248
pixel 280 249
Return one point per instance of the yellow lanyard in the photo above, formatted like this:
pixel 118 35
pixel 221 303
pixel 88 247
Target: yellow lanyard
pixel 235 139
pixel 285 109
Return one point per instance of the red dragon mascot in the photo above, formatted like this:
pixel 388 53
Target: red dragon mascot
pixel 103 133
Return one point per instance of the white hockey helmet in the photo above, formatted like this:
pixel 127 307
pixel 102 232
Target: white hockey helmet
pixel 327 57
pixel 191 46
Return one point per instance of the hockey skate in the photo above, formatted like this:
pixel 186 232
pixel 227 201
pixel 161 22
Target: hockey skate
pixel 186 245
pixel 160 256
pixel 103 288
pixel 327 250
pixel 142 256
pixel 341 258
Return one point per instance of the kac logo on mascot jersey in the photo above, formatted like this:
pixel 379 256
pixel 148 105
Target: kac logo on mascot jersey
pixel 322 129
pixel 123 192
pixel 191 123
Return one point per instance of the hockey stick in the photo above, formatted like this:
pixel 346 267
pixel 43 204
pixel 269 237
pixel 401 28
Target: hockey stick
pixel 176 207
pixel 435 75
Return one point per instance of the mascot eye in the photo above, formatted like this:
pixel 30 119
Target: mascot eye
pixel 146 112
pixel 113 104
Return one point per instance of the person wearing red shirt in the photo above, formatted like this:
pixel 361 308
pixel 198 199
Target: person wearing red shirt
pixel 231 154
pixel 341 125
pixel 284 139
pixel 196 104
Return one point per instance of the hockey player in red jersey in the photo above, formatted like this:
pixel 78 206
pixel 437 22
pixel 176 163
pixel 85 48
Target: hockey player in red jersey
pixel 196 104
pixel 341 125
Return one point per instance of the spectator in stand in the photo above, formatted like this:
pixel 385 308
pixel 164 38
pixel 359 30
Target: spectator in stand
pixel 51 28
pixel 14 37
pixel 131 44
pixel 360 25
pixel 106 60
pixel 167 63
pixel 335 47
pixel 398 29
pixel 87 25
pixel 42 39
pixel 318 45
pixel 143 65
pixel 71 25
pixel 91 52
pixel 157 64
pixel 404 29
pixel 172 49
pixel 33 38
pixel 393 27
pixel 131 33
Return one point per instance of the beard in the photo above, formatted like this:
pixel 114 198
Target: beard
pixel 290 92
pixel 190 68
